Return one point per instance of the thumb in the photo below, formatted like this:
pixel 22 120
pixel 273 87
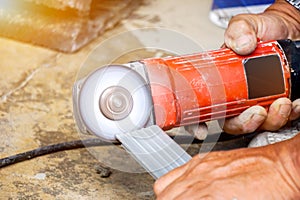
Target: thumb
pixel 240 35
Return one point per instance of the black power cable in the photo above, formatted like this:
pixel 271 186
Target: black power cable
pixel 76 144
pixel 93 142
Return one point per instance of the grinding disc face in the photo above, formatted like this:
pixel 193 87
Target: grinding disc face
pixel 114 99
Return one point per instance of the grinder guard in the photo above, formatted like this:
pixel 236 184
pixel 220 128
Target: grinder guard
pixel 112 100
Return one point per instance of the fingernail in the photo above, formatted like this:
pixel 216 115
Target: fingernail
pixel 253 113
pixel 258 118
pixel 245 116
pixel 242 42
pixel 295 112
pixel 284 110
pixel 296 108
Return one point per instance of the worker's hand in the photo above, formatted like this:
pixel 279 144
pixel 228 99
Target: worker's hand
pixel 279 21
pixel 254 118
pixel 257 173
pixel 280 112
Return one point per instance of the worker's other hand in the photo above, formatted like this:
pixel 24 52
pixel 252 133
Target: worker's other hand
pixel 279 21
pixel 257 173
pixel 256 117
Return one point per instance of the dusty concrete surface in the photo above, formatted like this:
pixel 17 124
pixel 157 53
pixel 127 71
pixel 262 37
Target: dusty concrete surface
pixel 36 110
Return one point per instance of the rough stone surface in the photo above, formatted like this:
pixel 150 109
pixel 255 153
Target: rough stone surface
pixel 36 110
pixel 58 29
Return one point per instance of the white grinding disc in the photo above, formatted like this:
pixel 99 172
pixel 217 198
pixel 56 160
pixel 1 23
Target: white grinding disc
pixel 96 84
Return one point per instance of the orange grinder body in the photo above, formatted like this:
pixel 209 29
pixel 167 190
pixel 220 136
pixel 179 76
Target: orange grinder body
pixel 215 84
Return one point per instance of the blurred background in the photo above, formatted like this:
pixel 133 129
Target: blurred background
pixel 43 46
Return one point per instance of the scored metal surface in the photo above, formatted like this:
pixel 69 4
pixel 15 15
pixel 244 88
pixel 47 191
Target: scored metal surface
pixel 154 150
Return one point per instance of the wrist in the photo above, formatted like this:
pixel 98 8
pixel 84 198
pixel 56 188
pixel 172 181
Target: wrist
pixel 294 3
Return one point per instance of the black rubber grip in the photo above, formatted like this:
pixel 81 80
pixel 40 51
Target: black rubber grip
pixel 292 53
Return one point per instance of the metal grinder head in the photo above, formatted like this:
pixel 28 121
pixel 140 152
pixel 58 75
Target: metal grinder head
pixel 112 100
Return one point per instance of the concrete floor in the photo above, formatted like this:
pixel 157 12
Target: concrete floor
pixel 36 108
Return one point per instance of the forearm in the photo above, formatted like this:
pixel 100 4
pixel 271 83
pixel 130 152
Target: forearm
pixel 280 21
pixel 289 15
pixel 294 150
pixel 289 157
